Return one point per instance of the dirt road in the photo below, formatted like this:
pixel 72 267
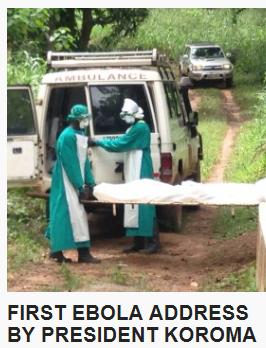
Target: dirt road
pixel 186 261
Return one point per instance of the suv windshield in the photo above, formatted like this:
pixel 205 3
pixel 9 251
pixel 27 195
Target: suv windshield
pixel 206 52
pixel 107 101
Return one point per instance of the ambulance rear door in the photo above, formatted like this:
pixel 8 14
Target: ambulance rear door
pixel 22 137
pixel 106 100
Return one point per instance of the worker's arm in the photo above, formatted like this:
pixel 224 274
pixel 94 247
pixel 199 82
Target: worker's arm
pixel 132 140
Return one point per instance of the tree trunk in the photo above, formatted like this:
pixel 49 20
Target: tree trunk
pixel 87 25
pixel 67 19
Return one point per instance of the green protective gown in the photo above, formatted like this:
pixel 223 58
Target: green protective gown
pixel 71 171
pixel 137 137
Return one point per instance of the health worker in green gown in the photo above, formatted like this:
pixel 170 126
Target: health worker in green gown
pixel 68 226
pixel 139 220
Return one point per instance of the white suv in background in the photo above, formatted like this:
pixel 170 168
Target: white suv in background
pixel 206 61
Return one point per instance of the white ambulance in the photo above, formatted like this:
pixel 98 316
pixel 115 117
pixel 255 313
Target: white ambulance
pixel 102 81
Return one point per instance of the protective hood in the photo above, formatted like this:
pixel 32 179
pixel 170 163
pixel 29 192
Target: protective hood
pixel 78 112
pixel 140 114
pixel 131 111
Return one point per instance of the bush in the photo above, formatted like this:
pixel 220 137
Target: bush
pixel 24 69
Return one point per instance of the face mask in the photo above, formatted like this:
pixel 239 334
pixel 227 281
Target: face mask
pixel 84 123
pixel 128 118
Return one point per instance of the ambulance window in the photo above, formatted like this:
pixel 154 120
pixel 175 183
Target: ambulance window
pixel 186 101
pixel 20 119
pixel 172 99
pixel 61 100
pixel 107 101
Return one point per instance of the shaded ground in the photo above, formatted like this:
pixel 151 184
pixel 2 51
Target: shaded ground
pixel 186 261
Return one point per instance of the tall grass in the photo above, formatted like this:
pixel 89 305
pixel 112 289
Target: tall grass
pixel 170 29
pixel 26 223
pixel 248 162
pixel 212 126
pixel 24 69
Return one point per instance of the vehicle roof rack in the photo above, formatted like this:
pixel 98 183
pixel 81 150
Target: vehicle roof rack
pixel 67 60
pixel 202 43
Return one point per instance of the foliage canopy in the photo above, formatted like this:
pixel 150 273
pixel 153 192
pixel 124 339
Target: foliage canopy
pixel 40 30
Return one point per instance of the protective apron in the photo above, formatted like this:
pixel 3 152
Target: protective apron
pixel 132 169
pixel 77 213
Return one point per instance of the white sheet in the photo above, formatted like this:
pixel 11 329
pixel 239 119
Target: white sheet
pixel 189 192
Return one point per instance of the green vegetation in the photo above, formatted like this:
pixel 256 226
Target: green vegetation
pixel 241 32
pixel 243 280
pixel 45 29
pixel 71 280
pixel 26 223
pixel 24 69
pixel 246 93
pixel 118 276
pixel 212 126
pixel 251 141
pixel 247 164
pixel 228 226
pixel 248 161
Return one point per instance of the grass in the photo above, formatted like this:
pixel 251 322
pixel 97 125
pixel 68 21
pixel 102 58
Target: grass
pixel 246 92
pixel 243 280
pixel 26 223
pixel 24 69
pixel 252 138
pixel 118 276
pixel 71 280
pixel 212 126
pixel 227 226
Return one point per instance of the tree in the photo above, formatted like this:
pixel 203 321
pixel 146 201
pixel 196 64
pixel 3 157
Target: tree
pixel 39 30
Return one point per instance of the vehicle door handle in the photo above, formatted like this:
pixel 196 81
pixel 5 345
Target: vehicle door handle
pixel 17 150
pixel 119 167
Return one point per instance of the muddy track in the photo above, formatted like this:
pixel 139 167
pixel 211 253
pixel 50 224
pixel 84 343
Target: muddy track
pixel 186 260
pixel 234 120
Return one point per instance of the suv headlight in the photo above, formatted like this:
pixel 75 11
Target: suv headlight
pixel 227 66
pixel 196 67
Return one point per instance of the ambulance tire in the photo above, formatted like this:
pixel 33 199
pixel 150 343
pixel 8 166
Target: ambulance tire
pixel 170 218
